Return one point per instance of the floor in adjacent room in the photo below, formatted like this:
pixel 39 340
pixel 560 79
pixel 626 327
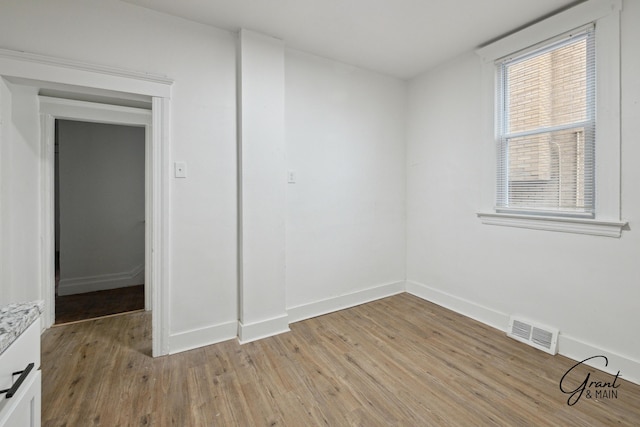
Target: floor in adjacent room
pixel 91 305
pixel 396 361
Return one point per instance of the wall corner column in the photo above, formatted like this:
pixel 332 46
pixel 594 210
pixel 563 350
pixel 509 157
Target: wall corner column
pixel 262 187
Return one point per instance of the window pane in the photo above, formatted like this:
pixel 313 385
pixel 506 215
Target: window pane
pixel 547 128
pixel 548 171
pixel 548 89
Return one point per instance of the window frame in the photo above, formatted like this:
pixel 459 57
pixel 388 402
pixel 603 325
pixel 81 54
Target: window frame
pixel 605 15
pixel 502 120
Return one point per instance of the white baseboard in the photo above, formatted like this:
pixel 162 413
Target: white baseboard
pixel 318 308
pixel 578 351
pixel 567 345
pixel 262 329
pixel 201 337
pixel 80 285
pixel 465 307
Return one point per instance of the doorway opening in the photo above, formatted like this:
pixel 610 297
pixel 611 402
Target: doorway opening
pixel 142 99
pixel 99 216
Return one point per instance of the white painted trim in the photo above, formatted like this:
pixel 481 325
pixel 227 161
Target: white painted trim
pixel 158 228
pixel 195 338
pixel 567 20
pixel 94 112
pixel 44 68
pixel 578 350
pixel 45 71
pixel 567 225
pixel 50 110
pixel 329 305
pixel 156 145
pixel 608 117
pixel 262 329
pixel 47 218
pixel 488 316
pixel 78 285
pixel 148 206
pixel 567 345
pixel 606 14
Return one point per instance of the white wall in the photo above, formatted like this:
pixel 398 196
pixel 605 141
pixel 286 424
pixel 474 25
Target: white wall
pixel 344 137
pixel 587 286
pixel 203 271
pixel 262 187
pixel 19 196
pixel 345 212
pixel 6 289
pixel 102 206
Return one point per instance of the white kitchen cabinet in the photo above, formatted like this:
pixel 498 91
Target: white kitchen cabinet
pixel 20 400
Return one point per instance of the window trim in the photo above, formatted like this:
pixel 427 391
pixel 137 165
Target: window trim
pixel 605 14
pixel 551 223
pixel 586 32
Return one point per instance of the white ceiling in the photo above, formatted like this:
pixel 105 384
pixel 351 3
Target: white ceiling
pixel 396 37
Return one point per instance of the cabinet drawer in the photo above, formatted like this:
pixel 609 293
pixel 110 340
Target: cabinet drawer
pixel 24 408
pixel 23 351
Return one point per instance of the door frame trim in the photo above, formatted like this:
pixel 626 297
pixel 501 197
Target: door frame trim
pixel 52 109
pixel 78 77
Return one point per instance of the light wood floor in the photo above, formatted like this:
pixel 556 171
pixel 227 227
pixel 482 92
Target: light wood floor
pixel 396 361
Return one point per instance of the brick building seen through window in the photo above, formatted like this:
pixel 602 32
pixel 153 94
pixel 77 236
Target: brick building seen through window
pixel 548 123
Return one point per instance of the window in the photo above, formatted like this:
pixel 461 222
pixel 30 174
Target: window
pixel 546 128
pixel 551 119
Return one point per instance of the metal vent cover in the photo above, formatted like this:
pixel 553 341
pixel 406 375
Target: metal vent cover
pixel 521 329
pixel 541 337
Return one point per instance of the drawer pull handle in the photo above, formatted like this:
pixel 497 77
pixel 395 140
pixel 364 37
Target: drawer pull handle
pixel 14 388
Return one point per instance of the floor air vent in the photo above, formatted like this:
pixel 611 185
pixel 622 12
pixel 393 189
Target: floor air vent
pixel 538 336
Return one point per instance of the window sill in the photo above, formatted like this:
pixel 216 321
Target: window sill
pixel 566 225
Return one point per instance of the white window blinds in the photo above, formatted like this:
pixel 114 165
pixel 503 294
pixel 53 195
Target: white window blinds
pixel 546 128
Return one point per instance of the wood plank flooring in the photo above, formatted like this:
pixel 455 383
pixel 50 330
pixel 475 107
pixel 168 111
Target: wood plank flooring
pixel 90 305
pixel 398 361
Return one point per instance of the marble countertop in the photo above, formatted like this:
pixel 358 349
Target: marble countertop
pixel 15 319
